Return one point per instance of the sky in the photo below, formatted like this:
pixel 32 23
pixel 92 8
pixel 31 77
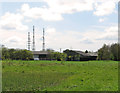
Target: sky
pixel 69 24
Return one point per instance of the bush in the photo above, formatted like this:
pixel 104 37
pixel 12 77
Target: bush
pixel 16 54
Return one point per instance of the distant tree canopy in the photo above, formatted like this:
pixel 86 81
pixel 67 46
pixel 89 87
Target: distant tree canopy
pixel 50 50
pixel 86 51
pixel 109 52
pixel 16 54
pixel 71 55
pixel 57 55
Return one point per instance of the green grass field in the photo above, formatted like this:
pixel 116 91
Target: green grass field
pixel 59 76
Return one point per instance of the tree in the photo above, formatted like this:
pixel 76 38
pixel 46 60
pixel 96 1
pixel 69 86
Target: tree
pixel 0 52
pixel 71 55
pixel 63 56
pixel 5 53
pixel 114 50
pixel 109 52
pixel 16 54
pixel 50 50
pixel 25 54
pixel 12 53
pixel 57 56
pixel 86 51
pixel 104 53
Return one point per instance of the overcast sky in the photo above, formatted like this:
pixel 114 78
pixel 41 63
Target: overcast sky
pixel 69 24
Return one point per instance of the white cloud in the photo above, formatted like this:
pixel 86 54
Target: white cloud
pixel 94 39
pixel 56 8
pixel 108 34
pixel 111 33
pixel 87 41
pixel 56 39
pixel 38 12
pixel 116 1
pixel 13 39
pixel 28 20
pixel 25 7
pixel 69 6
pixel 50 31
pixel 12 30
pixel 10 21
pixel 104 8
pixel 102 20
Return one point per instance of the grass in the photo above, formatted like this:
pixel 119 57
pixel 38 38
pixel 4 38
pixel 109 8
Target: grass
pixel 59 76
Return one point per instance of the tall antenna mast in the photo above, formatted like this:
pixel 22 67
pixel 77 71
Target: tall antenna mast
pixel 33 39
pixel 43 40
pixel 28 40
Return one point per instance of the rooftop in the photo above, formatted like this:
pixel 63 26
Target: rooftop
pixel 87 54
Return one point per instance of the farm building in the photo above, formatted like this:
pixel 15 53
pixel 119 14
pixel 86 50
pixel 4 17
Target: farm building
pixel 80 56
pixel 87 56
pixel 71 55
pixel 40 55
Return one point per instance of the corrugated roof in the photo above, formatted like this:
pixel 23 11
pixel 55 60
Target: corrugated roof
pixel 93 54
pixel 86 54
pixel 82 53
pixel 40 52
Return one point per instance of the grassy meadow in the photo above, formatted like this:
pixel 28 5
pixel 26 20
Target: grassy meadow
pixel 59 76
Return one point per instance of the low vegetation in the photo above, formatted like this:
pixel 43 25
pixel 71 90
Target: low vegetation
pixel 16 54
pixel 59 75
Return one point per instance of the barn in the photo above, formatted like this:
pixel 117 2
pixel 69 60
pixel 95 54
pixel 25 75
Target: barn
pixel 73 55
pixel 87 56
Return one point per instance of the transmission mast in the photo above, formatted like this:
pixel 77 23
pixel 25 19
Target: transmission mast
pixel 29 41
pixel 33 39
pixel 43 40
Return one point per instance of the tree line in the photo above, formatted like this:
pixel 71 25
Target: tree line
pixel 16 54
pixel 23 54
pixel 109 52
